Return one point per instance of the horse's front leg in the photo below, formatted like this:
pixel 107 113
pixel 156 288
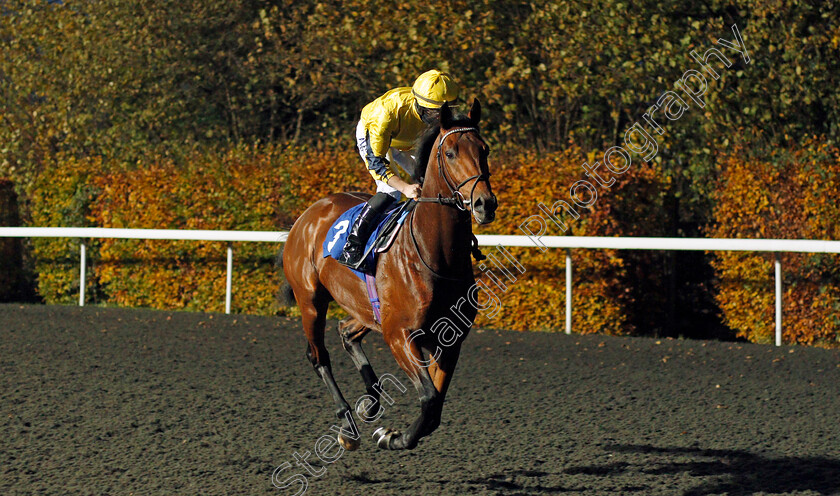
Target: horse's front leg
pixel 432 392
pixel 441 372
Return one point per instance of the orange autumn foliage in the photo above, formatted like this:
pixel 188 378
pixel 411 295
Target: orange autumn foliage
pixel 792 194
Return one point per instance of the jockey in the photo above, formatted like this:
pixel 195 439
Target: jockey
pixel 389 126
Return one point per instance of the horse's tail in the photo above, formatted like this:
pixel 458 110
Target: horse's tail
pixel 285 295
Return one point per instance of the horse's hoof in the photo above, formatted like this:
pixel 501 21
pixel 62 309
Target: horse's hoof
pixel 383 437
pixel 364 412
pixel 349 443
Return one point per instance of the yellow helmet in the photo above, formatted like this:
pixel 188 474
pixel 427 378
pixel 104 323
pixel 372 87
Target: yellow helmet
pixel 433 88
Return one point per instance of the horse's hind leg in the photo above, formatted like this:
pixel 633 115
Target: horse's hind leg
pixel 314 314
pixel 352 332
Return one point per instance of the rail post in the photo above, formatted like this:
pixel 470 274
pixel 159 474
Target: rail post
pixel 568 291
pixel 229 277
pixel 82 274
pixel 778 267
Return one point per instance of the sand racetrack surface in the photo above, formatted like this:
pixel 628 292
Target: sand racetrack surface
pixel 113 401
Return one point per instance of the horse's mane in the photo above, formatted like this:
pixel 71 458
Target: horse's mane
pixel 426 142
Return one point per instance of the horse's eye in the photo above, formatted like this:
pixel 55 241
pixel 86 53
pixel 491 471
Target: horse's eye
pixel 450 155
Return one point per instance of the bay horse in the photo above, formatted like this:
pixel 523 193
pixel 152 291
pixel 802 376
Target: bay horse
pixel 425 272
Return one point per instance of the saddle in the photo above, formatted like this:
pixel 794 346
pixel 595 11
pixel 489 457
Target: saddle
pixel 380 240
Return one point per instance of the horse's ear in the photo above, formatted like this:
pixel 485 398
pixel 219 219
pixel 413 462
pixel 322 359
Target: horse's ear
pixel 446 116
pixel 475 112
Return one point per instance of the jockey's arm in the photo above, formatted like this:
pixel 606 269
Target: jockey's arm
pixel 379 141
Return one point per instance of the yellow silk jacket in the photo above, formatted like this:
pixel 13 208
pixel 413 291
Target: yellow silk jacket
pixel 391 121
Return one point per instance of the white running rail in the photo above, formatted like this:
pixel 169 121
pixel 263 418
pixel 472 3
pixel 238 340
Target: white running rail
pixel 776 246
pixel 168 234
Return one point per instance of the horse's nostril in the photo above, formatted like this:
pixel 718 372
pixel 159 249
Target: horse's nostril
pixel 479 203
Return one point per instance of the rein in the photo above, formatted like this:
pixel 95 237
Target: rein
pixel 420 255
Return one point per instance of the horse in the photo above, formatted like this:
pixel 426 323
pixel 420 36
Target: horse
pixel 426 271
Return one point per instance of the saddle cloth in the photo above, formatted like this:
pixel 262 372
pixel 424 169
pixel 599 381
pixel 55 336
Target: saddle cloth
pixel 380 239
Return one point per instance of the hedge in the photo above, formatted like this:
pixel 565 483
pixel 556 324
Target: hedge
pixel 793 194
pixel 790 194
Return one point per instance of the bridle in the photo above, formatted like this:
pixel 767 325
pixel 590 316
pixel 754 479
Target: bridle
pixel 456 199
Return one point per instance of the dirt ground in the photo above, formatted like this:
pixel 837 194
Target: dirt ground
pixel 111 401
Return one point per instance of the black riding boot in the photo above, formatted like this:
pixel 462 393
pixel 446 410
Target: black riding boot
pixel 354 250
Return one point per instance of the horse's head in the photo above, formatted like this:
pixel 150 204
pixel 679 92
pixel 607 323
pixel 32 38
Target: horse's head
pixel 461 158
